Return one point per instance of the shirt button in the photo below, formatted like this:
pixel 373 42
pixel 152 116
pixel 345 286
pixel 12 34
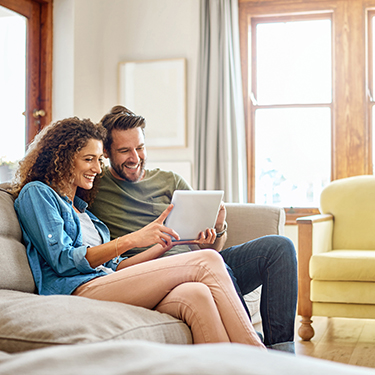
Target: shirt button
pixel 50 236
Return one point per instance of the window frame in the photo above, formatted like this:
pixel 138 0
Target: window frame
pixel 350 133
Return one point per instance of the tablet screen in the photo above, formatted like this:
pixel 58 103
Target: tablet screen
pixel 194 211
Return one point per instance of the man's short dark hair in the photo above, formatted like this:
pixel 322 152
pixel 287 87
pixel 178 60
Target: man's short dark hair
pixel 120 118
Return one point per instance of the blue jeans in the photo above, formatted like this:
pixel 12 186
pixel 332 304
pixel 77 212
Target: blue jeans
pixel 269 261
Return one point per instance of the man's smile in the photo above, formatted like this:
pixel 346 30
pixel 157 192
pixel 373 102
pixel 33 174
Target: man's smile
pixel 131 166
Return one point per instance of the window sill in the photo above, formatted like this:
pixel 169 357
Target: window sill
pixel 292 214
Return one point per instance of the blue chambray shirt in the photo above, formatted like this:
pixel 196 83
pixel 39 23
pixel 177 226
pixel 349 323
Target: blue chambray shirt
pixel 53 238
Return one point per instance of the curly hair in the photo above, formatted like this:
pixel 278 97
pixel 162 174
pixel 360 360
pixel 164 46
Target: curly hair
pixel 50 157
pixel 121 118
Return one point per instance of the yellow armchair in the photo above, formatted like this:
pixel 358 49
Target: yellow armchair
pixel 336 254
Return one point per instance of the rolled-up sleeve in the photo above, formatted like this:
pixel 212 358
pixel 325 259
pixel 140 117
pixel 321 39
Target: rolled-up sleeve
pixel 80 261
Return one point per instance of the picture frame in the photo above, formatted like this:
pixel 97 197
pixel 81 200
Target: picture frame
pixel 156 90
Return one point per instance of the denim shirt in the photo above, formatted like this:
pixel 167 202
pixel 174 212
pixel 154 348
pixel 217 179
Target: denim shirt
pixel 53 238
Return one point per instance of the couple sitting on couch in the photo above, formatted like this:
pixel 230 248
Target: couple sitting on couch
pixel 70 251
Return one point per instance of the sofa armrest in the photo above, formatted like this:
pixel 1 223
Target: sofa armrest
pixel 247 221
pixel 314 236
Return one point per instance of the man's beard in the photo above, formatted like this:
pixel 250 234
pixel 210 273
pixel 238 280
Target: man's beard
pixel 119 169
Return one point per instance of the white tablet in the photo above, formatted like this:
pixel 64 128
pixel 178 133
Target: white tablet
pixel 194 211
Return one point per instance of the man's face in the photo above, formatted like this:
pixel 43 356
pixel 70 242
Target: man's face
pixel 128 154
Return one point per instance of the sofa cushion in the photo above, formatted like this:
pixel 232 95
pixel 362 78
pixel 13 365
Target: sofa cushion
pixel 146 358
pixel 29 321
pixel 15 272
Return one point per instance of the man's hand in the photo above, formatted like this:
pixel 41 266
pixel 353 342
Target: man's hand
pixel 220 221
pixel 218 243
pixel 207 239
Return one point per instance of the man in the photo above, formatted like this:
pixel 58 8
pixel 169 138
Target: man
pixel 131 196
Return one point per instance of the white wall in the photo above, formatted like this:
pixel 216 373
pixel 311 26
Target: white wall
pixel 92 36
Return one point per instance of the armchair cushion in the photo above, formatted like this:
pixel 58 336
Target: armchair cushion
pixel 351 201
pixel 342 292
pixel 343 265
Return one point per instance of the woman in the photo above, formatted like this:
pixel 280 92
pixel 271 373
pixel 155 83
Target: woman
pixel 70 253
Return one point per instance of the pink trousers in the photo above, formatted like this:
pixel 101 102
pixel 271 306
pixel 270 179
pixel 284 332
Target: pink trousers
pixel 194 287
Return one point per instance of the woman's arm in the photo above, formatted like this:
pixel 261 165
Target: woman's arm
pixel 153 233
pixel 41 217
pixel 151 253
pixel 207 238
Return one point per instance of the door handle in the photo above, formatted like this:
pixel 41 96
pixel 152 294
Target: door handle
pixel 38 113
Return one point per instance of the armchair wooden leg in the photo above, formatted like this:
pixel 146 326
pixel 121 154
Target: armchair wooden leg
pixel 306 331
pixel 305 249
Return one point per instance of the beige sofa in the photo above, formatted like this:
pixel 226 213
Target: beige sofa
pixel 37 333
pixel 29 321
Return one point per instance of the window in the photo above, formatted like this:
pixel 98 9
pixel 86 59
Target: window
pixel 25 76
pixel 304 72
pixel 12 90
pixel 292 104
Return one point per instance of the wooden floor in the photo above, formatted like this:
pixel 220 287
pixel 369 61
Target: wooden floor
pixel 350 341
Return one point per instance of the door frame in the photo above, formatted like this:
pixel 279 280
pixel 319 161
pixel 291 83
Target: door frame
pixel 39 44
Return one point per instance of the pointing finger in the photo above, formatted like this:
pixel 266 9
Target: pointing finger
pixel 164 214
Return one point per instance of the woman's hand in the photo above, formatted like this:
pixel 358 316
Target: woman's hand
pixel 155 232
pixel 152 234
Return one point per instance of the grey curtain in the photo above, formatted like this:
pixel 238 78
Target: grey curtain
pixel 220 153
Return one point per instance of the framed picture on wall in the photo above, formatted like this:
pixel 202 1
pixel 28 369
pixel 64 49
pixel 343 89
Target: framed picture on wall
pixel 156 90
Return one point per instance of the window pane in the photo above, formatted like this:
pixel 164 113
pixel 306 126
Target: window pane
pixel 292 156
pixel 12 90
pixel 294 64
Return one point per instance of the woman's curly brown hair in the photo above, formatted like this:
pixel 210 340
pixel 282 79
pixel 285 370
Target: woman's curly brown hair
pixel 50 157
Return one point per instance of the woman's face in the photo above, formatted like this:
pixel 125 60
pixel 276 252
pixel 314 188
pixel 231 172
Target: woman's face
pixel 87 164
